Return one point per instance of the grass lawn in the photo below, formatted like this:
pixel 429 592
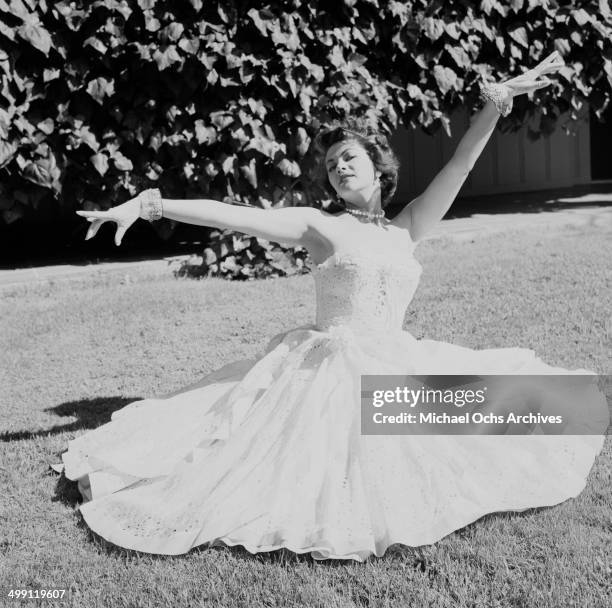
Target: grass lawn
pixel 74 352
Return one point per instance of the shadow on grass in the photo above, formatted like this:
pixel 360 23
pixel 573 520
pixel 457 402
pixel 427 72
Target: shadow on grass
pixel 89 414
pixel 67 492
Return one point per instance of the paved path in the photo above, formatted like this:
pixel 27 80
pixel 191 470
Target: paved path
pixel 482 224
pixel 584 213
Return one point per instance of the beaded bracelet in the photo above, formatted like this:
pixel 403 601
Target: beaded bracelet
pixel 150 204
pixel 499 94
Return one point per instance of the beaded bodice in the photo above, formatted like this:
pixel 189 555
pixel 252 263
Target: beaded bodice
pixel 364 291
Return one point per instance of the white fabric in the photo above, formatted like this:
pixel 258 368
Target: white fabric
pixel 267 453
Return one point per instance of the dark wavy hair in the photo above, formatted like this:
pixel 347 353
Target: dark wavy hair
pixel 375 144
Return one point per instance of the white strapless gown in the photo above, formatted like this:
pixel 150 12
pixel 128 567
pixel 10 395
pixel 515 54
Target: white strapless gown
pixel 267 452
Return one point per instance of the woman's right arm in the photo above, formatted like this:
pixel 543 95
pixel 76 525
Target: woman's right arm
pixel 293 226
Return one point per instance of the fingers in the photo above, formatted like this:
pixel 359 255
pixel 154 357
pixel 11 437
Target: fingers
pixel 529 87
pixel 121 229
pixel 92 214
pixel 93 229
pixel 551 64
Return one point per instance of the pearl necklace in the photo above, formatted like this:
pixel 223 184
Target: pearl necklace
pixel 367 214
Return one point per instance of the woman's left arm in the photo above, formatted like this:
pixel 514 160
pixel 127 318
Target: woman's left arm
pixel 429 208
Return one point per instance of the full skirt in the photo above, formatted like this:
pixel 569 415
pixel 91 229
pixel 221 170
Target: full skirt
pixel 268 453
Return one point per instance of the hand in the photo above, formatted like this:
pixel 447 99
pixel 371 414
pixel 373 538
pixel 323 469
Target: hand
pixel 124 215
pixel 531 80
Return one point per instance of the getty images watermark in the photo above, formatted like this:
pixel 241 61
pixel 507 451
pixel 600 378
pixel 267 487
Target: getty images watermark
pixel 568 404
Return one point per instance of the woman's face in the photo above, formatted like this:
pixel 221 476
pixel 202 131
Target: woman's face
pixel 351 172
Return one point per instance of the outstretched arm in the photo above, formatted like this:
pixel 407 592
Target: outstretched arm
pixel 293 226
pixel 429 208
pixel 288 225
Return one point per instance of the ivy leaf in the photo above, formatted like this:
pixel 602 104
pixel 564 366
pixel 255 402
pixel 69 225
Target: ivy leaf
pixel 608 70
pixel 291 84
pixel 264 145
pixel 204 134
pixel 452 30
pixel 515 51
pixel 151 23
pixel 18 9
pixel 576 39
pixel 433 28
pixel 567 72
pixel 336 58
pixel 520 35
pixel 6 30
pixel 306 100
pixel 445 77
pixel 240 135
pixel 46 126
pixel 211 169
pixel 289 168
pixel 83 135
pixel 35 34
pixel 257 107
pixel 100 162
pixel 260 23
pixel 460 57
pixel 246 73
pixel 227 163
pixel 7 150
pixel 97 44
pixel 43 171
pixel 490 5
pixel 189 45
pixel 501 44
pixel 580 16
pixel 207 60
pixel 212 77
pixel 303 141
pixel 563 46
pixel 602 30
pixel 250 173
pixel 123 163
pixel 121 7
pixel 167 57
pixel 228 82
pixel 221 119
pixel 173 32
pixel 101 88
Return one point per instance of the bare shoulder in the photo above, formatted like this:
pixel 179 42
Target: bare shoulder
pixel 319 216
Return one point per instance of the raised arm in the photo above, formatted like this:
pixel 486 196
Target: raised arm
pixel 425 211
pixel 429 208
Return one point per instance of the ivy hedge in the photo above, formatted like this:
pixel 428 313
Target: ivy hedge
pixel 100 99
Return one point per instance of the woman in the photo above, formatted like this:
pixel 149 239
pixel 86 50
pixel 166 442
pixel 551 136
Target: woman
pixel 268 453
